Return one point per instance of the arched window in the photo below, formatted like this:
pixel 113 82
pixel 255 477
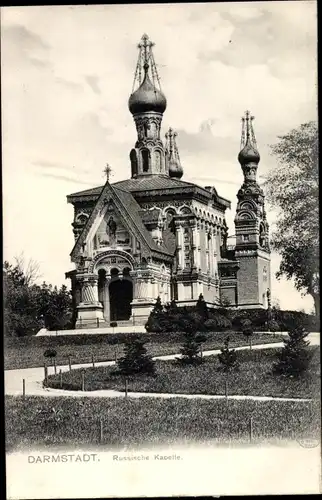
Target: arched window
pixel 262 238
pixel 134 163
pixel 145 160
pixel 157 157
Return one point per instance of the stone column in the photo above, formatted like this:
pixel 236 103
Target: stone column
pixel 195 226
pixel 208 250
pixel 214 251
pixel 211 252
pixel 142 303
pixel 180 244
pixel 89 310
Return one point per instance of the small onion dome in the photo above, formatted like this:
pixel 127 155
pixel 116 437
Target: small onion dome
pixel 248 155
pixel 175 169
pixel 147 97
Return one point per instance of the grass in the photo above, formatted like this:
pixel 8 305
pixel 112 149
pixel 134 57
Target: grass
pixel 134 423
pixel 28 352
pixel 253 377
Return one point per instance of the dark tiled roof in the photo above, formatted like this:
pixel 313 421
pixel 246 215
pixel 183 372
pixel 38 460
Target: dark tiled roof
pixel 88 192
pixel 150 183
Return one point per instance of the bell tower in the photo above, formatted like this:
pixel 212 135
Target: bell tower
pixel 251 227
pixel 147 104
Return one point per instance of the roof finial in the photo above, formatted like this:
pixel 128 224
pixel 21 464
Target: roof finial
pixel 145 61
pixel 175 168
pixel 107 171
pixel 248 145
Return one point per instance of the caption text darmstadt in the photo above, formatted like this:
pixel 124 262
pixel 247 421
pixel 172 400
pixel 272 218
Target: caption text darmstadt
pixel 94 457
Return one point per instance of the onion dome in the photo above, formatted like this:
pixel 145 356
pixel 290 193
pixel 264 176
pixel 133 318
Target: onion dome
pixel 147 97
pixel 175 169
pixel 248 154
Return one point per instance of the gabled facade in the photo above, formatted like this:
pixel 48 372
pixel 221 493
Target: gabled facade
pixel 157 235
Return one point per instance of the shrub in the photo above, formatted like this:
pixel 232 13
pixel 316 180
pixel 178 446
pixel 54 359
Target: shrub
pixel 158 308
pixel 202 308
pixel 258 318
pixel 289 320
pixel 218 322
pixel 227 357
pixel 136 359
pixel 190 351
pixel 294 358
pixel 246 328
pixel 273 326
pixel 50 353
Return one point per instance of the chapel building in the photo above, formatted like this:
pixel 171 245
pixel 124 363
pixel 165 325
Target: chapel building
pixel 156 234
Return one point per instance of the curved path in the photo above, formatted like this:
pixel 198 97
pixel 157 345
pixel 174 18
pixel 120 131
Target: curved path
pixel 34 378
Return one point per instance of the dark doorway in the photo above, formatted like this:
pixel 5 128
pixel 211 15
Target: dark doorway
pixel 121 296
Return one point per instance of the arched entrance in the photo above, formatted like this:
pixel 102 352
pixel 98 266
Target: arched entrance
pixel 121 296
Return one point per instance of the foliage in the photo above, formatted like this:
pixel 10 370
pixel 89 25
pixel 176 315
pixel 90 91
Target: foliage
pixel 217 323
pixel 172 308
pixel 247 329
pixel 55 306
pixel 228 357
pixel 273 326
pixel 294 358
pixel 293 189
pixel 29 307
pixel 286 320
pixel 136 360
pixel 202 308
pixel 50 353
pixel 191 348
pixel 158 308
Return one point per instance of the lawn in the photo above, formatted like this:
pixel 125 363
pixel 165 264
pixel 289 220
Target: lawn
pixel 133 423
pixel 28 352
pixel 253 377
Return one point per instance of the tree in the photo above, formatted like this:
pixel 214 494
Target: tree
pixel 202 308
pixel 294 358
pixel 191 348
pixel 51 354
pixel 55 306
pixel 30 269
pixel 29 307
pixel 136 359
pixel 158 308
pixel 292 188
pixel 227 357
pixel 247 329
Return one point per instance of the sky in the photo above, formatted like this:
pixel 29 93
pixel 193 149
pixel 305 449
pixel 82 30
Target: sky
pixel 67 73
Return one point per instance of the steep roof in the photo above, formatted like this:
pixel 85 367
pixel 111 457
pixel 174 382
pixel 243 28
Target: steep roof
pixel 130 210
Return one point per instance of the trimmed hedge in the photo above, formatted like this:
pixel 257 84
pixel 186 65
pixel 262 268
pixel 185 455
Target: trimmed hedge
pixel 222 319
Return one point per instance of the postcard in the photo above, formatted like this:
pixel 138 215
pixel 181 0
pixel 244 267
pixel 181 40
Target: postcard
pixel 161 250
